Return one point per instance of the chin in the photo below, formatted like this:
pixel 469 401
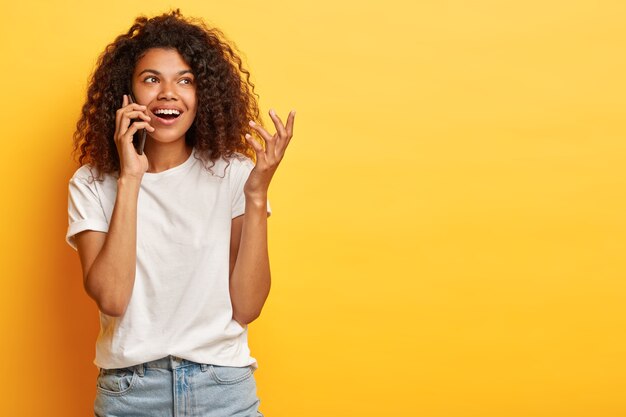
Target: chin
pixel 166 137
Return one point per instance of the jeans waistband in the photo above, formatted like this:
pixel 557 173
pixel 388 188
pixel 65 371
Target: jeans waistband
pixel 169 362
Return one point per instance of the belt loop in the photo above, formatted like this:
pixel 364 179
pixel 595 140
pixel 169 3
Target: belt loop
pixel 203 367
pixel 140 369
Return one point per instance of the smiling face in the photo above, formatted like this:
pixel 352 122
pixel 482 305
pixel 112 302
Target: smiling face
pixel 164 83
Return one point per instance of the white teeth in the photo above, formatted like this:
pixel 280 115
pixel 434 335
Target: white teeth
pixel 167 111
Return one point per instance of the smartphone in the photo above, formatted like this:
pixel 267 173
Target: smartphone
pixel 138 142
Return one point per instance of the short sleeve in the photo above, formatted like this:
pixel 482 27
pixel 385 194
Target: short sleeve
pixel 240 171
pixel 85 210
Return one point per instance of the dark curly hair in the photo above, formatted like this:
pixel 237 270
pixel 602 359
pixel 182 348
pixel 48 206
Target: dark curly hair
pixel 226 102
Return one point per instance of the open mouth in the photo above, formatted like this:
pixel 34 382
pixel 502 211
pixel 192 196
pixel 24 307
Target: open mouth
pixel 167 116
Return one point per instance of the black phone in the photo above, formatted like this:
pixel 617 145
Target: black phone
pixel 139 138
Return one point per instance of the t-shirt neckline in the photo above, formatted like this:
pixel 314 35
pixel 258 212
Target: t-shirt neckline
pixel 157 175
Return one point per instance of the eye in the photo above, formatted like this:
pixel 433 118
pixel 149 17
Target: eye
pixel 186 81
pixel 152 77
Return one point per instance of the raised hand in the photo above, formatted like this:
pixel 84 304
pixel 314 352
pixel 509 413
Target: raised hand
pixel 131 163
pixel 268 159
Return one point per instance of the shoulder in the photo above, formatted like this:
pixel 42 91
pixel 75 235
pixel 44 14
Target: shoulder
pixel 227 165
pixel 86 173
pixel 238 161
pixel 89 174
pixel 239 158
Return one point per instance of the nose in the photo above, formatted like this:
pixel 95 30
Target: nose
pixel 167 92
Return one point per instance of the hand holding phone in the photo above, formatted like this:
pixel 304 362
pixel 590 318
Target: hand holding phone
pixel 141 132
pixel 129 120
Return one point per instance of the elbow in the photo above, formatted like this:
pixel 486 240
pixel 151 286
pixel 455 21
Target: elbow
pixel 111 309
pixel 107 303
pixel 247 309
pixel 247 316
pixel 245 319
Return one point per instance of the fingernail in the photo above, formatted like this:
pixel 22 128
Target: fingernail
pixel 251 123
pixel 272 112
pixel 294 112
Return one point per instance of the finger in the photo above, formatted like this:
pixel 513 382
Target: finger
pixel 135 106
pixel 118 113
pixel 262 132
pixel 131 107
pixel 267 138
pixel 136 113
pixel 256 145
pixel 280 128
pixel 127 118
pixel 282 142
pixel 134 127
pixel 270 149
pixel 270 146
pixel 290 120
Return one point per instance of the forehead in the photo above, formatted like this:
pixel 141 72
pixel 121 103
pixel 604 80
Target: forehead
pixel 162 60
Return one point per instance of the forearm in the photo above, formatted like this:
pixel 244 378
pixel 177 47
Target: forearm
pixel 250 280
pixel 112 276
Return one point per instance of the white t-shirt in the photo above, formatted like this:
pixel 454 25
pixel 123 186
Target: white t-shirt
pixel 180 303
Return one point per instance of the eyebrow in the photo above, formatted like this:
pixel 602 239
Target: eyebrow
pixel 158 73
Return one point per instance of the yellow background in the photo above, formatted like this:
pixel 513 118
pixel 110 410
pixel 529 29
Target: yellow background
pixel 448 233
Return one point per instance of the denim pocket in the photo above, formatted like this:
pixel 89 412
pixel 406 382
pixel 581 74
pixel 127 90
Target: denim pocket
pixel 116 381
pixel 230 374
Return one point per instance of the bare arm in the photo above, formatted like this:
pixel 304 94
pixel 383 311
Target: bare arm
pixel 250 270
pixel 109 259
pixel 250 277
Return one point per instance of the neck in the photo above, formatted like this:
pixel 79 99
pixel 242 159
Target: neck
pixel 163 156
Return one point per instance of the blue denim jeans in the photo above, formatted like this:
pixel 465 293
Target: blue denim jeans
pixel 175 387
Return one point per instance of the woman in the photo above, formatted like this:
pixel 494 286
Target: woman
pixel 172 234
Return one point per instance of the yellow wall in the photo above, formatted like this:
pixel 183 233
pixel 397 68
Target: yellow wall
pixel 448 233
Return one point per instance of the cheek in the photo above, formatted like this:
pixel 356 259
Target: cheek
pixel 194 106
pixel 193 111
pixel 192 100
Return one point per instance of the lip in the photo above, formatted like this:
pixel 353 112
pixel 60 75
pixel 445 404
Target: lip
pixel 166 122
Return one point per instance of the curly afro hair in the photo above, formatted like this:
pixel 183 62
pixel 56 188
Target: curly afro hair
pixel 226 102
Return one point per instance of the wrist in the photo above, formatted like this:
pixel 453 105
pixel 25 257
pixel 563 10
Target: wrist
pixel 128 181
pixel 256 199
